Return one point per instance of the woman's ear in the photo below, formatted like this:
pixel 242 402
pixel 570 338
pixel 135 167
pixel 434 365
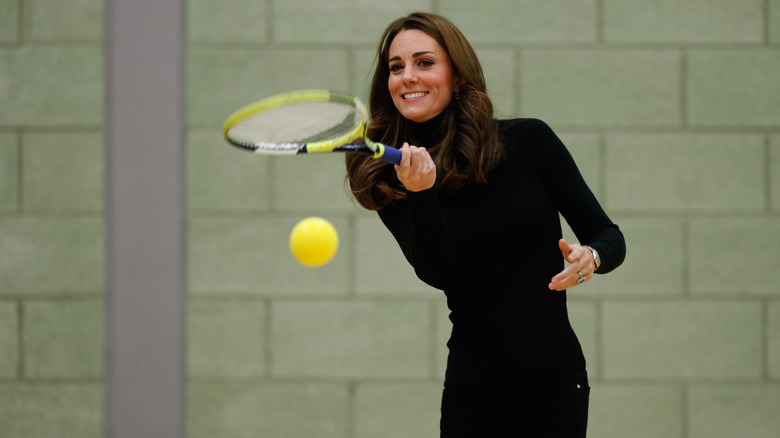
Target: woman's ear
pixel 459 82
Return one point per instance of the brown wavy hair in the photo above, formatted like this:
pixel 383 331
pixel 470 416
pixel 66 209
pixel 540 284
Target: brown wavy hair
pixel 471 146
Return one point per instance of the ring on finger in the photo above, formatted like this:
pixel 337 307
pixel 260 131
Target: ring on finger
pixel 581 279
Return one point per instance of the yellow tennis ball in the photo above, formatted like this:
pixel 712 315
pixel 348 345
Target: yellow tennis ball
pixel 314 241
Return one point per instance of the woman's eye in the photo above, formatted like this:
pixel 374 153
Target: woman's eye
pixel 425 63
pixel 396 68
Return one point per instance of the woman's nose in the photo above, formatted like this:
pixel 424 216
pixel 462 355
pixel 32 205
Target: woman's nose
pixel 409 77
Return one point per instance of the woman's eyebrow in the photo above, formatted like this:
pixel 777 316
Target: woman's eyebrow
pixel 414 55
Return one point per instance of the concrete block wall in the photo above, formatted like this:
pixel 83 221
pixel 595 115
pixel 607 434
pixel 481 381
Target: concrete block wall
pixel 671 109
pixel 51 218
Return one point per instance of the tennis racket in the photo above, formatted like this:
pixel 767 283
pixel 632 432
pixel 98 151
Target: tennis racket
pixel 305 122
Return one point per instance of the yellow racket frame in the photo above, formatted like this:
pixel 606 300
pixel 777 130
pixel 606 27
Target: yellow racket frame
pixel 312 95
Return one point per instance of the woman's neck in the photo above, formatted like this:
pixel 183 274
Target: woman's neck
pixel 428 133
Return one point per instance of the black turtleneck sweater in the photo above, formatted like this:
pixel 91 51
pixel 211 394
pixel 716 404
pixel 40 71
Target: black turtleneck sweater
pixel 493 249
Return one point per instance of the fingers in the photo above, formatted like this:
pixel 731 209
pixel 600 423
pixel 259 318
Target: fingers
pixel 406 157
pixel 570 277
pixel 417 170
pixel 580 270
pixel 565 249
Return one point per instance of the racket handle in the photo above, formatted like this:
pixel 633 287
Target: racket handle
pixel 390 155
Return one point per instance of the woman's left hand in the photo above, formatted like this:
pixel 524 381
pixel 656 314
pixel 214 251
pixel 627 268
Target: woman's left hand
pixel 581 268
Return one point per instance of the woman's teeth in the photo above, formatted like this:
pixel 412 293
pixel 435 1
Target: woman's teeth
pixel 414 95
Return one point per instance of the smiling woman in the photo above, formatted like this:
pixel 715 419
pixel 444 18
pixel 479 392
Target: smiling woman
pixel 473 150
pixel 422 82
pixel 475 206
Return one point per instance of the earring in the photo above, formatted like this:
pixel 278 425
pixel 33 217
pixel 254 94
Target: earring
pixel 457 95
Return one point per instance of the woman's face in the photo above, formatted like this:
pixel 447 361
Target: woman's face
pixel 422 79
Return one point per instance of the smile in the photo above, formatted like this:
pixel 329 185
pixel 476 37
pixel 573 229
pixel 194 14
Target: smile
pixel 415 95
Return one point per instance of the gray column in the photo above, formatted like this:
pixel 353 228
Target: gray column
pixel 145 218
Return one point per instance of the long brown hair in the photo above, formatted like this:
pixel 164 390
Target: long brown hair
pixel 471 147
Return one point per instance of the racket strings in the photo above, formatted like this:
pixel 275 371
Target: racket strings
pixel 305 122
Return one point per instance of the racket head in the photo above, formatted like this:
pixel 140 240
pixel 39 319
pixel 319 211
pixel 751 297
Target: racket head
pixel 303 121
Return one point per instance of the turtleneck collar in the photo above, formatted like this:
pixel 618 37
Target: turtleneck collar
pixel 429 133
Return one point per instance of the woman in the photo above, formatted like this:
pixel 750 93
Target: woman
pixel 474 206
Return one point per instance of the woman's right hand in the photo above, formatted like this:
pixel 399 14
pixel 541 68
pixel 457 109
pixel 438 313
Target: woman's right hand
pixel 417 171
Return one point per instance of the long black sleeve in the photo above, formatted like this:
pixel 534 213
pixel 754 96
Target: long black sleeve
pixel 424 237
pixel 575 200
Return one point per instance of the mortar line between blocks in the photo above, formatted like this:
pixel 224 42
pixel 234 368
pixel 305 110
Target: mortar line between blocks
pixel 20 339
pixel 768 175
pixel 599 347
pixel 600 32
pixel 269 21
pixel 19 173
pixel 685 242
pixel 351 405
pixel 351 256
pixel 767 13
pixel 268 341
pixel 765 347
pixel 684 119
pixel 685 426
